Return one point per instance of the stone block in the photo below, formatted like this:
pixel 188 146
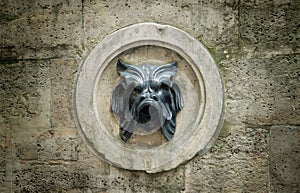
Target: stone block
pixel 216 26
pixel 236 163
pixel 274 111
pixel 115 15
pixel 62 74
pixel 3 153
pixel 49 145
pixel 284 159
pixel 268 4
pixel 138 181
pixel 27 150
pixel 59 178
pixel 256 77
pixel 270 28
pixel 58 145
pixel 262 90
pixel 43 29
pixel 23 142
pixel 263 111
pixel 25 94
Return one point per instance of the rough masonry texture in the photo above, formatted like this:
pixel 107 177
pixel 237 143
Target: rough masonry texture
pixel 254 43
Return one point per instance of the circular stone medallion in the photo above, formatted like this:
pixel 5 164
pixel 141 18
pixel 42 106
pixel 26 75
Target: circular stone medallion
pixel 197 123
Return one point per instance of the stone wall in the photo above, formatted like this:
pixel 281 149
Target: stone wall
pixel 255 44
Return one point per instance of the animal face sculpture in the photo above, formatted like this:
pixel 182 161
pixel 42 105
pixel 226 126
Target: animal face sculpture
pixel 146 98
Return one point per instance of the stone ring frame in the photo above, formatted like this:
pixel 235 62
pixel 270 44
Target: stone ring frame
pixel 199 122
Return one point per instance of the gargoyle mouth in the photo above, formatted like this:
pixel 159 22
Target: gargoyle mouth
pixel 149 114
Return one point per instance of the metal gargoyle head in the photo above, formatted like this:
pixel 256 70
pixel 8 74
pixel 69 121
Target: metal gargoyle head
pixel 146 97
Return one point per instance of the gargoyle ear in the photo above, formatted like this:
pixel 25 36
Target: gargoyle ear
pixel 165 72
pixel 131 73
pixel 177 97
pixel 122 66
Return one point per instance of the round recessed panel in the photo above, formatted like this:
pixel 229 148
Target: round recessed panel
pixel 197 123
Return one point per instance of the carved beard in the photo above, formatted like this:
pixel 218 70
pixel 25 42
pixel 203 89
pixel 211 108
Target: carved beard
pixel 146 97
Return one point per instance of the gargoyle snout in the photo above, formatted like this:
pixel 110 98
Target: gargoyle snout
pixel 148 95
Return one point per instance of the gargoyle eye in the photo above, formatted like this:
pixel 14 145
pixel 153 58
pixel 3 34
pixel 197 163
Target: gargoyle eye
pixel 155 86
pixel 164 86
pixel 138 88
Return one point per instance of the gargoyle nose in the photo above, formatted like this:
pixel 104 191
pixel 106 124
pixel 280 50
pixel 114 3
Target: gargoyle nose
pixel 145 95
pixel 147 91
pixel 154 96
pixel 148 88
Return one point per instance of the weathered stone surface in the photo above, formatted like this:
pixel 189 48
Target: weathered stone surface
pixel 114 15
pixel 63 75
pixel 256 46
pixel 284 159
pixel 59 178
pixel 270 27
pixel 94 177
pixel 64 144
pixel 25 93
pixel 40 29
pixel 135 181
pixel 263 111
pixel 276 100
pixel 277 77
pixel 50 145
pixel 3 159
pixel 216 25
pixel 238 162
